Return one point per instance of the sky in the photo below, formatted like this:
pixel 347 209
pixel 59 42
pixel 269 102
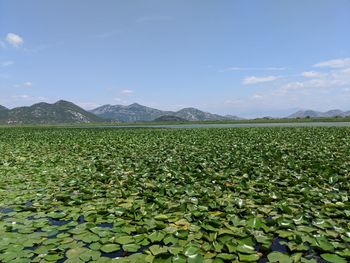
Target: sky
pixel 247 58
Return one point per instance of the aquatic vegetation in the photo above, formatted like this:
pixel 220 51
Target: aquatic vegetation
pixel 187 195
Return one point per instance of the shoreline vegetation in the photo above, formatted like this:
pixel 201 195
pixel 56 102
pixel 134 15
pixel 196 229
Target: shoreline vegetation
pixel 157 123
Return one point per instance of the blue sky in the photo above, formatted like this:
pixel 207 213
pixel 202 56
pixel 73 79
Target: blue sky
pixel 247 58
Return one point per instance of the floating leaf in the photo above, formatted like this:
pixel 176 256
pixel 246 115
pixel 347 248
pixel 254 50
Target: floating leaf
pixel 279 257
pixel 109 248
pixel 333 258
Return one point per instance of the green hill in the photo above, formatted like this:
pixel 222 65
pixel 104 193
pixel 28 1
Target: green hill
pixel 45 113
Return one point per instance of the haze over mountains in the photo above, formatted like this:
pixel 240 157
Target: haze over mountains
pixel 67 112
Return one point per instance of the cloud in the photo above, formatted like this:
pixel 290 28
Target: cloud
pixel 334 63
pixel 255 80
pixel 88 105
pixel 29 98
pixel 329 89
pixel 21 97
pixel 126 92
pixel 27 84
pixel 312 74
pixel 7 63
pixel 119 100
pixel 327 82
pixel 14 40
pixel 252 69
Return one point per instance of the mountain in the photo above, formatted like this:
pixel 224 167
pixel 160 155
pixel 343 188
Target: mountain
pixel 45 113
pixel 3 113
pixel 170 118
pixel 131 113
pixel 137 112
pixel 192 114
pixel 319 114
pixel 233 117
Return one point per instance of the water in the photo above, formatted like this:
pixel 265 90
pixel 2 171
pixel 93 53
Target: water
pixel 230 125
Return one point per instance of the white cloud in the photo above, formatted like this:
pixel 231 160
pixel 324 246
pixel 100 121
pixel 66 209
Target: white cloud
pixel 334 63
pixel 311 74
pixel 14 40
pixel 27 84
pixel 88 105
pixel 119 100
pixel 318 82
pixel 255 80
pixel 24 99
pixel 7 63
pixel 257 96
pixel 126 92
pixel 318 90
pixel 252 69
pixel 21 97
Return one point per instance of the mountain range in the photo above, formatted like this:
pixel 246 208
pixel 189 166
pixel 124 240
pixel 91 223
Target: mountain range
pixel 137 112
pixel 45 113
pixel 319 114
pixel 67 112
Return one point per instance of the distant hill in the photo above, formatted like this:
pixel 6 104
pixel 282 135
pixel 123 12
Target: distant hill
pixel 131 113
pixel 319 114
pixel 3 113
pixel 136 112
pixel 45 113
pixel 169 118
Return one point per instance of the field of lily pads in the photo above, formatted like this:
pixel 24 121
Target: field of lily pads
pixel 175 195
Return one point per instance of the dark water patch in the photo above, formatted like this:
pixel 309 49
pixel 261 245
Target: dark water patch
pixel 81 220
pixel 268 218
pixel 58 222
pixel 143 248
pixel 6 210
pixel 120 253
pixel 263 260
pixel 4 217
pixel 107 225
pixel 257 247
pixel 32 248
pixel 278 247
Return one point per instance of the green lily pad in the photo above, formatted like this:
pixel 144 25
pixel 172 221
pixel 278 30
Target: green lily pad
pixel 249 258
pixel 246 249
pixel 333 258
pixel 279 257
pixel 156 236
pixel 156 250
pixel 109 248
pixel 131 247
pixel 124 240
